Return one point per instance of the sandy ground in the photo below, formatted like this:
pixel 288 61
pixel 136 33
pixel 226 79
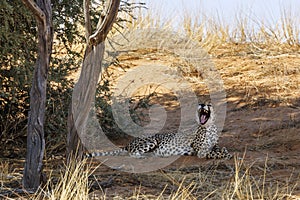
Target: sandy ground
pixel 261 129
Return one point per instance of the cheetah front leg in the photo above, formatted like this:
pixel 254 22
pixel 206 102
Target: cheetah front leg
pixel 203 153
pixel 218 153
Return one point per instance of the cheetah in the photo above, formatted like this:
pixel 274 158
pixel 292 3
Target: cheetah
pixel 202 141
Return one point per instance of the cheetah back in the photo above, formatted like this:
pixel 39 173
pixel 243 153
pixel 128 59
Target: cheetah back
pixel 174 144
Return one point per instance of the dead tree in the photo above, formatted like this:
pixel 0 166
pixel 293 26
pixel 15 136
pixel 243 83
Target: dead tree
pixel 35 132
pixel 89 76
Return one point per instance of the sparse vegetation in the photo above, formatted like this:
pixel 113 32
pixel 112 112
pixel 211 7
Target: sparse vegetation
pixel 260 70
pixel 77 181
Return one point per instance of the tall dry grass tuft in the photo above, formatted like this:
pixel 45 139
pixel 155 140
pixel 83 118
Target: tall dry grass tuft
pixel 72 184
pixel 4 173
pixel 184 190
pixel 213 32
pixel 246 186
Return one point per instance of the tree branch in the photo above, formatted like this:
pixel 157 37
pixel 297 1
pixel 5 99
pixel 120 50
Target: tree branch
pixel 36 10
pixel 102 30
pixel 87 19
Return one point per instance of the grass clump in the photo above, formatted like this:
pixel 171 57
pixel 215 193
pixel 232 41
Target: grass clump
pixel 246 185
pixel 71 183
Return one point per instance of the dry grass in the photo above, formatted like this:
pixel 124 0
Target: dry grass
pixel 75 183
pixel 247 186
pixel 72 183
pixel 4 173
pixel 212 32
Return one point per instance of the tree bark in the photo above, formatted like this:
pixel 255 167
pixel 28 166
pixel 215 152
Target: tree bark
pixel 86 86
pixel 35 132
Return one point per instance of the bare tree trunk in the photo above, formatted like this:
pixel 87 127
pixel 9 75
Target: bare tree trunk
pixel 87 83
pixel 35 133
pixel 85 89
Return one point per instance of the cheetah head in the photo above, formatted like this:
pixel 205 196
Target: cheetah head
pixel 203 113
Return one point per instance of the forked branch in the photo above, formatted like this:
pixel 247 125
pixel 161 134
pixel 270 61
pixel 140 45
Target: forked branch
pixel 36 10
pixel 107 23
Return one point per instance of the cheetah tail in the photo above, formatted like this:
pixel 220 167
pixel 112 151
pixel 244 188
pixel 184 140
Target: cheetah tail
pixel 118 152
